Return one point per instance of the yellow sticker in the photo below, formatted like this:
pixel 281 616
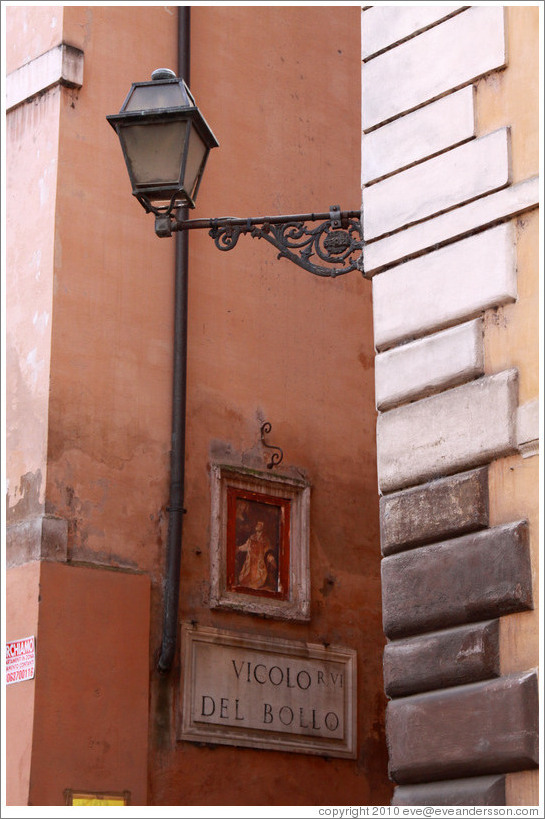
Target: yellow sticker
pixel 77 801
pixel 97 799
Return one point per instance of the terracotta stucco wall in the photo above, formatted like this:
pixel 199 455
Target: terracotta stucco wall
pixel 32 136
pixel 81 719
pixel 267 341
pixel 21 621
pixel 111 345
pixel 90 710
pixel 30 32
pixel 30 131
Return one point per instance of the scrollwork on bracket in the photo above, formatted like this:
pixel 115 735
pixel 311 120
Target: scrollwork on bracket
pixel 339 248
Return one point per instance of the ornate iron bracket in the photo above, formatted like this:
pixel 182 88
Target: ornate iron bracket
pixel 337 243
pixel 276 457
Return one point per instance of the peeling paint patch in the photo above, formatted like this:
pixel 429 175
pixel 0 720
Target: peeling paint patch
pixel 26 500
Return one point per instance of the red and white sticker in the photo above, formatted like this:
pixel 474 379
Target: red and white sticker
pixel 20 660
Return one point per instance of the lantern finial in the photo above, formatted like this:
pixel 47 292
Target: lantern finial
pixel 163 74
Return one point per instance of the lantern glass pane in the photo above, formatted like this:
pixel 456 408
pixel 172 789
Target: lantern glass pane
pixel 157 95
pixel 154 152
pixel 196 153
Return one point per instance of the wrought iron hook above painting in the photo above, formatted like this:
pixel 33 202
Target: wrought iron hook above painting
pixel 278 455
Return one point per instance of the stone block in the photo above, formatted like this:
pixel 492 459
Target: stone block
pixel 438 510
pixel 446 286
pixel 475 790
pixel 462 221
pixel 442 659
pixel 414 137
pixel 441 59
pixel 446 433
pixel 475 577
pixel 385 26
pixel 422 367
pixel 471 170
pixel 484 728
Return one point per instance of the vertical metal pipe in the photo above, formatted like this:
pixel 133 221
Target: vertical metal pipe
pixel 177 453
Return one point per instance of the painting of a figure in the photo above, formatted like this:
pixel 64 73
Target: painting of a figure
pixel 257 543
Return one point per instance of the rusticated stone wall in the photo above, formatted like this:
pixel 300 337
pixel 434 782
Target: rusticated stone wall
pixel 449 201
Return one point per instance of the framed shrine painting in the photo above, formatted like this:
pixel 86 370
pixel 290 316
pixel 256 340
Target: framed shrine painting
pixel 259 543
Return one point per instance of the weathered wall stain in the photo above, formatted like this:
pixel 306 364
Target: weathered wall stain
pixel 28 493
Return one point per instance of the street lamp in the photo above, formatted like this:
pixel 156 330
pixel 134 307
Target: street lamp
pixel 166 142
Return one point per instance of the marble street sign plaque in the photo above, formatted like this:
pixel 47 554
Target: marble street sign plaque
pixel 268 693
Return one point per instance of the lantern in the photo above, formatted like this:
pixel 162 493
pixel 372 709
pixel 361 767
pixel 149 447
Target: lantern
pixel 165 141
